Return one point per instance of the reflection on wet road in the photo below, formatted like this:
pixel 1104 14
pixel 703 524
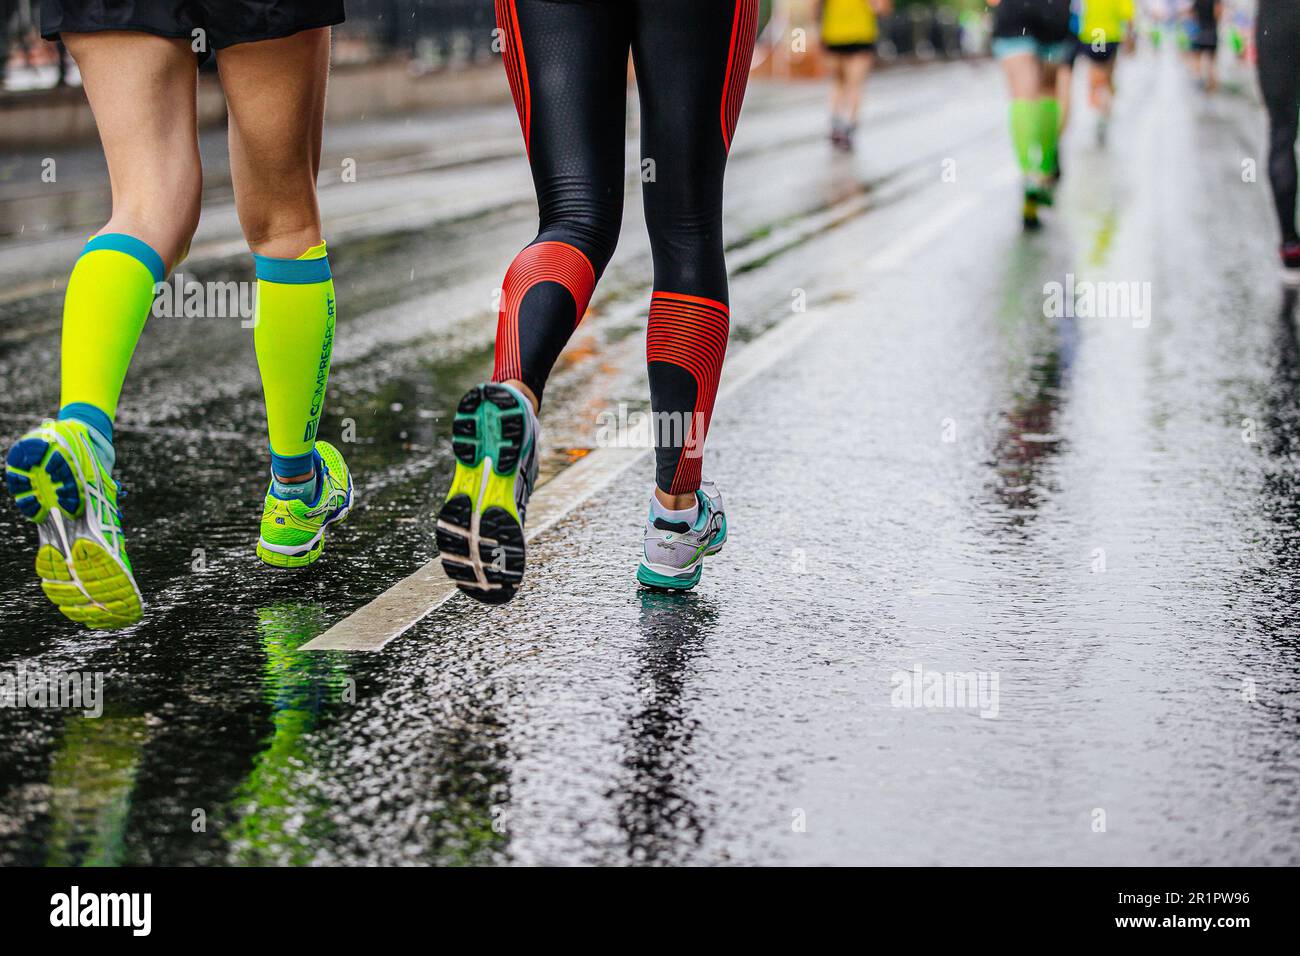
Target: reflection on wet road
pixel 1097 515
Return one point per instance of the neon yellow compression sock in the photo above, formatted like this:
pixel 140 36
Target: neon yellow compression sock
pixel 110 293
pixel 1024 132
pixel 1048 130
pixel 294 338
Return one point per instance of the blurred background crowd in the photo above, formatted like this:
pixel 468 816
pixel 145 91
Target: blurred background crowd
pixel 435 35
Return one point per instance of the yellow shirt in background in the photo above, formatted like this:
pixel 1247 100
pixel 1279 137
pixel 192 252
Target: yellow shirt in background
pixel 1106 16
pixel 848 21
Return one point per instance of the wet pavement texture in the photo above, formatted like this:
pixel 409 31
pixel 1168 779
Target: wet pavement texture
pixel 1098 513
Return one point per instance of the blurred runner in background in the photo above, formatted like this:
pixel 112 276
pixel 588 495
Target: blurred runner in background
pixel 1205 41
pixel 849 31
pixel 1032 38
pixel 1103 29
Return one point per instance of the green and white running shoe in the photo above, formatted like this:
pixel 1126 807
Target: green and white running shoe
pixel 1029 213
pixel 1039 192
pixel 60 483
pixel 1040 189
pixel 293 531
pixel 674 552
pixel 481 525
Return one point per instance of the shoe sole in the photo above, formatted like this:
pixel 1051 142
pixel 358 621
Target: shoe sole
pixel 654 581
pixel 79 573
pixel 480 536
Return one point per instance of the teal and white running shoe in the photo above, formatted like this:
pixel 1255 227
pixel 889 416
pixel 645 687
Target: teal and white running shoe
pixel 481 525
pixel 60 482
pixel 674 552
pixel 293 531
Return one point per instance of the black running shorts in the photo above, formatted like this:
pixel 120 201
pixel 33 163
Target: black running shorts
pixel 848 49
pixel 1047 21
pixel 224 23
pixel 1100 53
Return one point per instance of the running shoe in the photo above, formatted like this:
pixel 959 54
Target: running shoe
pixel 481 525
pixel 1038 192
pixel 838 137
pixel 1043 191
pixel 844 142
pixel 1029 210
pixel 293 530
pixel 674 552
pixel 60 483
pixel 1291 263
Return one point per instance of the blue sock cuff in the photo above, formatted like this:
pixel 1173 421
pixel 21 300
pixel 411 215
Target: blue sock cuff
pixel 142 252
pixel 90 415
pixel 293 271
pixel 309 491
pixel 292 464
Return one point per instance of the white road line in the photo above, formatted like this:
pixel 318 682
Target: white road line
pixel 412 599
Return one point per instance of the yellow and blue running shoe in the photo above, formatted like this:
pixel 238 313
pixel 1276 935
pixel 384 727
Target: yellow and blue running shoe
pixel 481 525
pixel 673 552
pixel 293 531
pixel 60 483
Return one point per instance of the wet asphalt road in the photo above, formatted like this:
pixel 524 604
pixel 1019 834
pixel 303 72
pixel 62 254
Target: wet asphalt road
pixel 1098 513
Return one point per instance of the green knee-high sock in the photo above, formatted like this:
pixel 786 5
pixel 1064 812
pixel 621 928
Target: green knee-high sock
pixel 1049 132
pixel 1024 132
pixel 294 339
pixel 110 293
